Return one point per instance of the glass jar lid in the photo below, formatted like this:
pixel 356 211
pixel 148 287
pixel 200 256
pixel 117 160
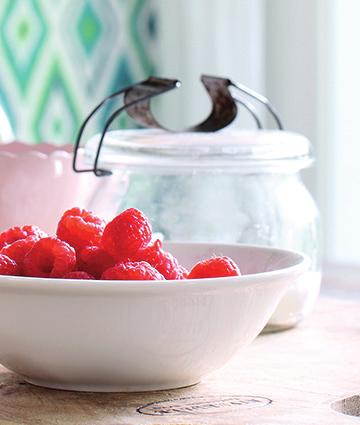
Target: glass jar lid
pixel 238 150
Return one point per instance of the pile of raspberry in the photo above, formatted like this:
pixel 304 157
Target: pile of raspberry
pixel 85 247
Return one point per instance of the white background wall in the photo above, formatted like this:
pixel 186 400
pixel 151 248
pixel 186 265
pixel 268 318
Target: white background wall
pixel 302 54
pixel 297 82
pixel 224 38
pixel 316 45
pixel 344 176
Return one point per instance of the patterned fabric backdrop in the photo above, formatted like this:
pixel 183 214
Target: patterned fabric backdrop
pixel 59 58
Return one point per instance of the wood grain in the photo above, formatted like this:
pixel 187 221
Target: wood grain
pixel 285 378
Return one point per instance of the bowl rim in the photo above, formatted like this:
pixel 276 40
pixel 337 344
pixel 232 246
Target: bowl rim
pixel 58 284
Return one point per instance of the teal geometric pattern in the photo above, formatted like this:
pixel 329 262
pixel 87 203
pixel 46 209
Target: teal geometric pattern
pixel 89 28
pixel 22 34
pixel 56 116
pixel 138 25
pixel 4 96
pixel 123 77
pixel 59 58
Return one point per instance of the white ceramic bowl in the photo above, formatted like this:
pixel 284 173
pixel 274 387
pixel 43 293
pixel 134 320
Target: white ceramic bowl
pixel 139 336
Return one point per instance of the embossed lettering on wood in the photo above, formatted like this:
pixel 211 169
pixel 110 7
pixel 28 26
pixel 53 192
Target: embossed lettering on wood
pixel 202 405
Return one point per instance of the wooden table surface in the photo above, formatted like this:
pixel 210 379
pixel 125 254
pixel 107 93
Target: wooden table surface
pixel 286 378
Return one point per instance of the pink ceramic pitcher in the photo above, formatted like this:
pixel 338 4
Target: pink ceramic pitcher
pixel 38 184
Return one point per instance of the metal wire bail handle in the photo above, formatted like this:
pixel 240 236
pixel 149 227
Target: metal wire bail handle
pixel 141 93
pixel 224 108
pixel 260 98
pixel 137 98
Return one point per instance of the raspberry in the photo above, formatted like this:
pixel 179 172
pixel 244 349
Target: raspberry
pixel 19 249
pixel 214 267
pixel 80 228
pixel 49 257
pixel 16 233
pixel 140 270
pixel 163 261
pixel 126 234
pixel 78 275
pixel 94 260
pixel 8 266
pixel 182 273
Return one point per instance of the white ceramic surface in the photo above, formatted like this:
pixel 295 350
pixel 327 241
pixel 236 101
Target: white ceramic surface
pixel 139 336
pixel 38 184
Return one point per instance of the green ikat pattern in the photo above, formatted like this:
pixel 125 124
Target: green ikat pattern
pixel 59 58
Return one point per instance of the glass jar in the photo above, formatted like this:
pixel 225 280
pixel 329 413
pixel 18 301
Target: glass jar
pixel 228 186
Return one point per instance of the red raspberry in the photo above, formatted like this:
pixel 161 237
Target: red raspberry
pixel 182 273
pixel 214 267
pixel 78 275
pixel 8 266
pixel 126 234
pixel 19 249
pixel 140 270
pixel 80 228
pixel 16 233
pixel 94 260
pixel 163 261
pixel 49 257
